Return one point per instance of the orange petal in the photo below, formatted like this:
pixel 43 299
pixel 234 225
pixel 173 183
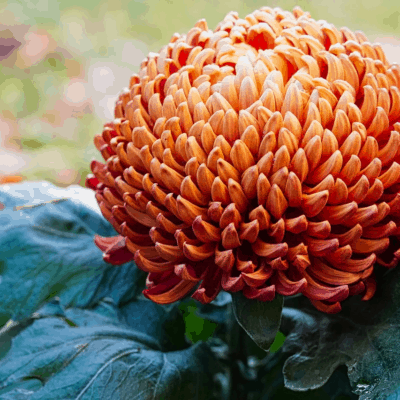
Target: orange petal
pixel 326 308
pixel 368 246
pixel 147 251
pixel 249 231
pixel 285 286
pixel 319 230
pixel 232 284
pixel 257 278
pixel 230 237
pixel 260 294
pixel 320 247
pixel 268 250
pixel 225 259
pixel 332 276
pixel 169 291
pixel 337 214
pixel 198 253
pixel 317 291
pixel 204 231
pixel 169 252
pixel 151 265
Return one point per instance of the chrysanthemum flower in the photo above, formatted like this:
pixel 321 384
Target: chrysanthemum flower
pixel 261 157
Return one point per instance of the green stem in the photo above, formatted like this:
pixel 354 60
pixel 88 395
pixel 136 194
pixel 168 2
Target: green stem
pixel 236 354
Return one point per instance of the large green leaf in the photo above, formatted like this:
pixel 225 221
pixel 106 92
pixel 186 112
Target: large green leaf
pixel 259 319
pixel 48 249
pixel 97 354
pixel 364 336
pixel 163 323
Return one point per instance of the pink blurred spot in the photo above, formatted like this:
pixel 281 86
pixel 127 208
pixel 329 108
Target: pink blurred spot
pixel 11 163
pixel 67 177
pixel 75 92
pixel 35 44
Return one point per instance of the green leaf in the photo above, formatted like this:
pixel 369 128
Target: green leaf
pixel 394 396
pixel 164 323
pixel 197 328
pixel 364 336
pixel 48 250
pixel 100 357
pixel 260 320
pixel 278 342
pixel 271 377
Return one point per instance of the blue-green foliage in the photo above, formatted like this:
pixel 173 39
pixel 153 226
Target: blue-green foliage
pixel 97 354
pixel 48 250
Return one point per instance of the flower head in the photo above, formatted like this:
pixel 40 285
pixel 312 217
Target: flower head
pixel 261 157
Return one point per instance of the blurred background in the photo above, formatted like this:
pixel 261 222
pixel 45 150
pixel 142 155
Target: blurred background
pixel 63 63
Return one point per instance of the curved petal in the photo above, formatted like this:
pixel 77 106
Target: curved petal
pixel 260 294
pixel 169 291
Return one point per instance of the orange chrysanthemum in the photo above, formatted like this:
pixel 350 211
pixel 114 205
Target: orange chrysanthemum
pixel 261 157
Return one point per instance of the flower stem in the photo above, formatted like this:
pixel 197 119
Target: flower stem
pixel 237 355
